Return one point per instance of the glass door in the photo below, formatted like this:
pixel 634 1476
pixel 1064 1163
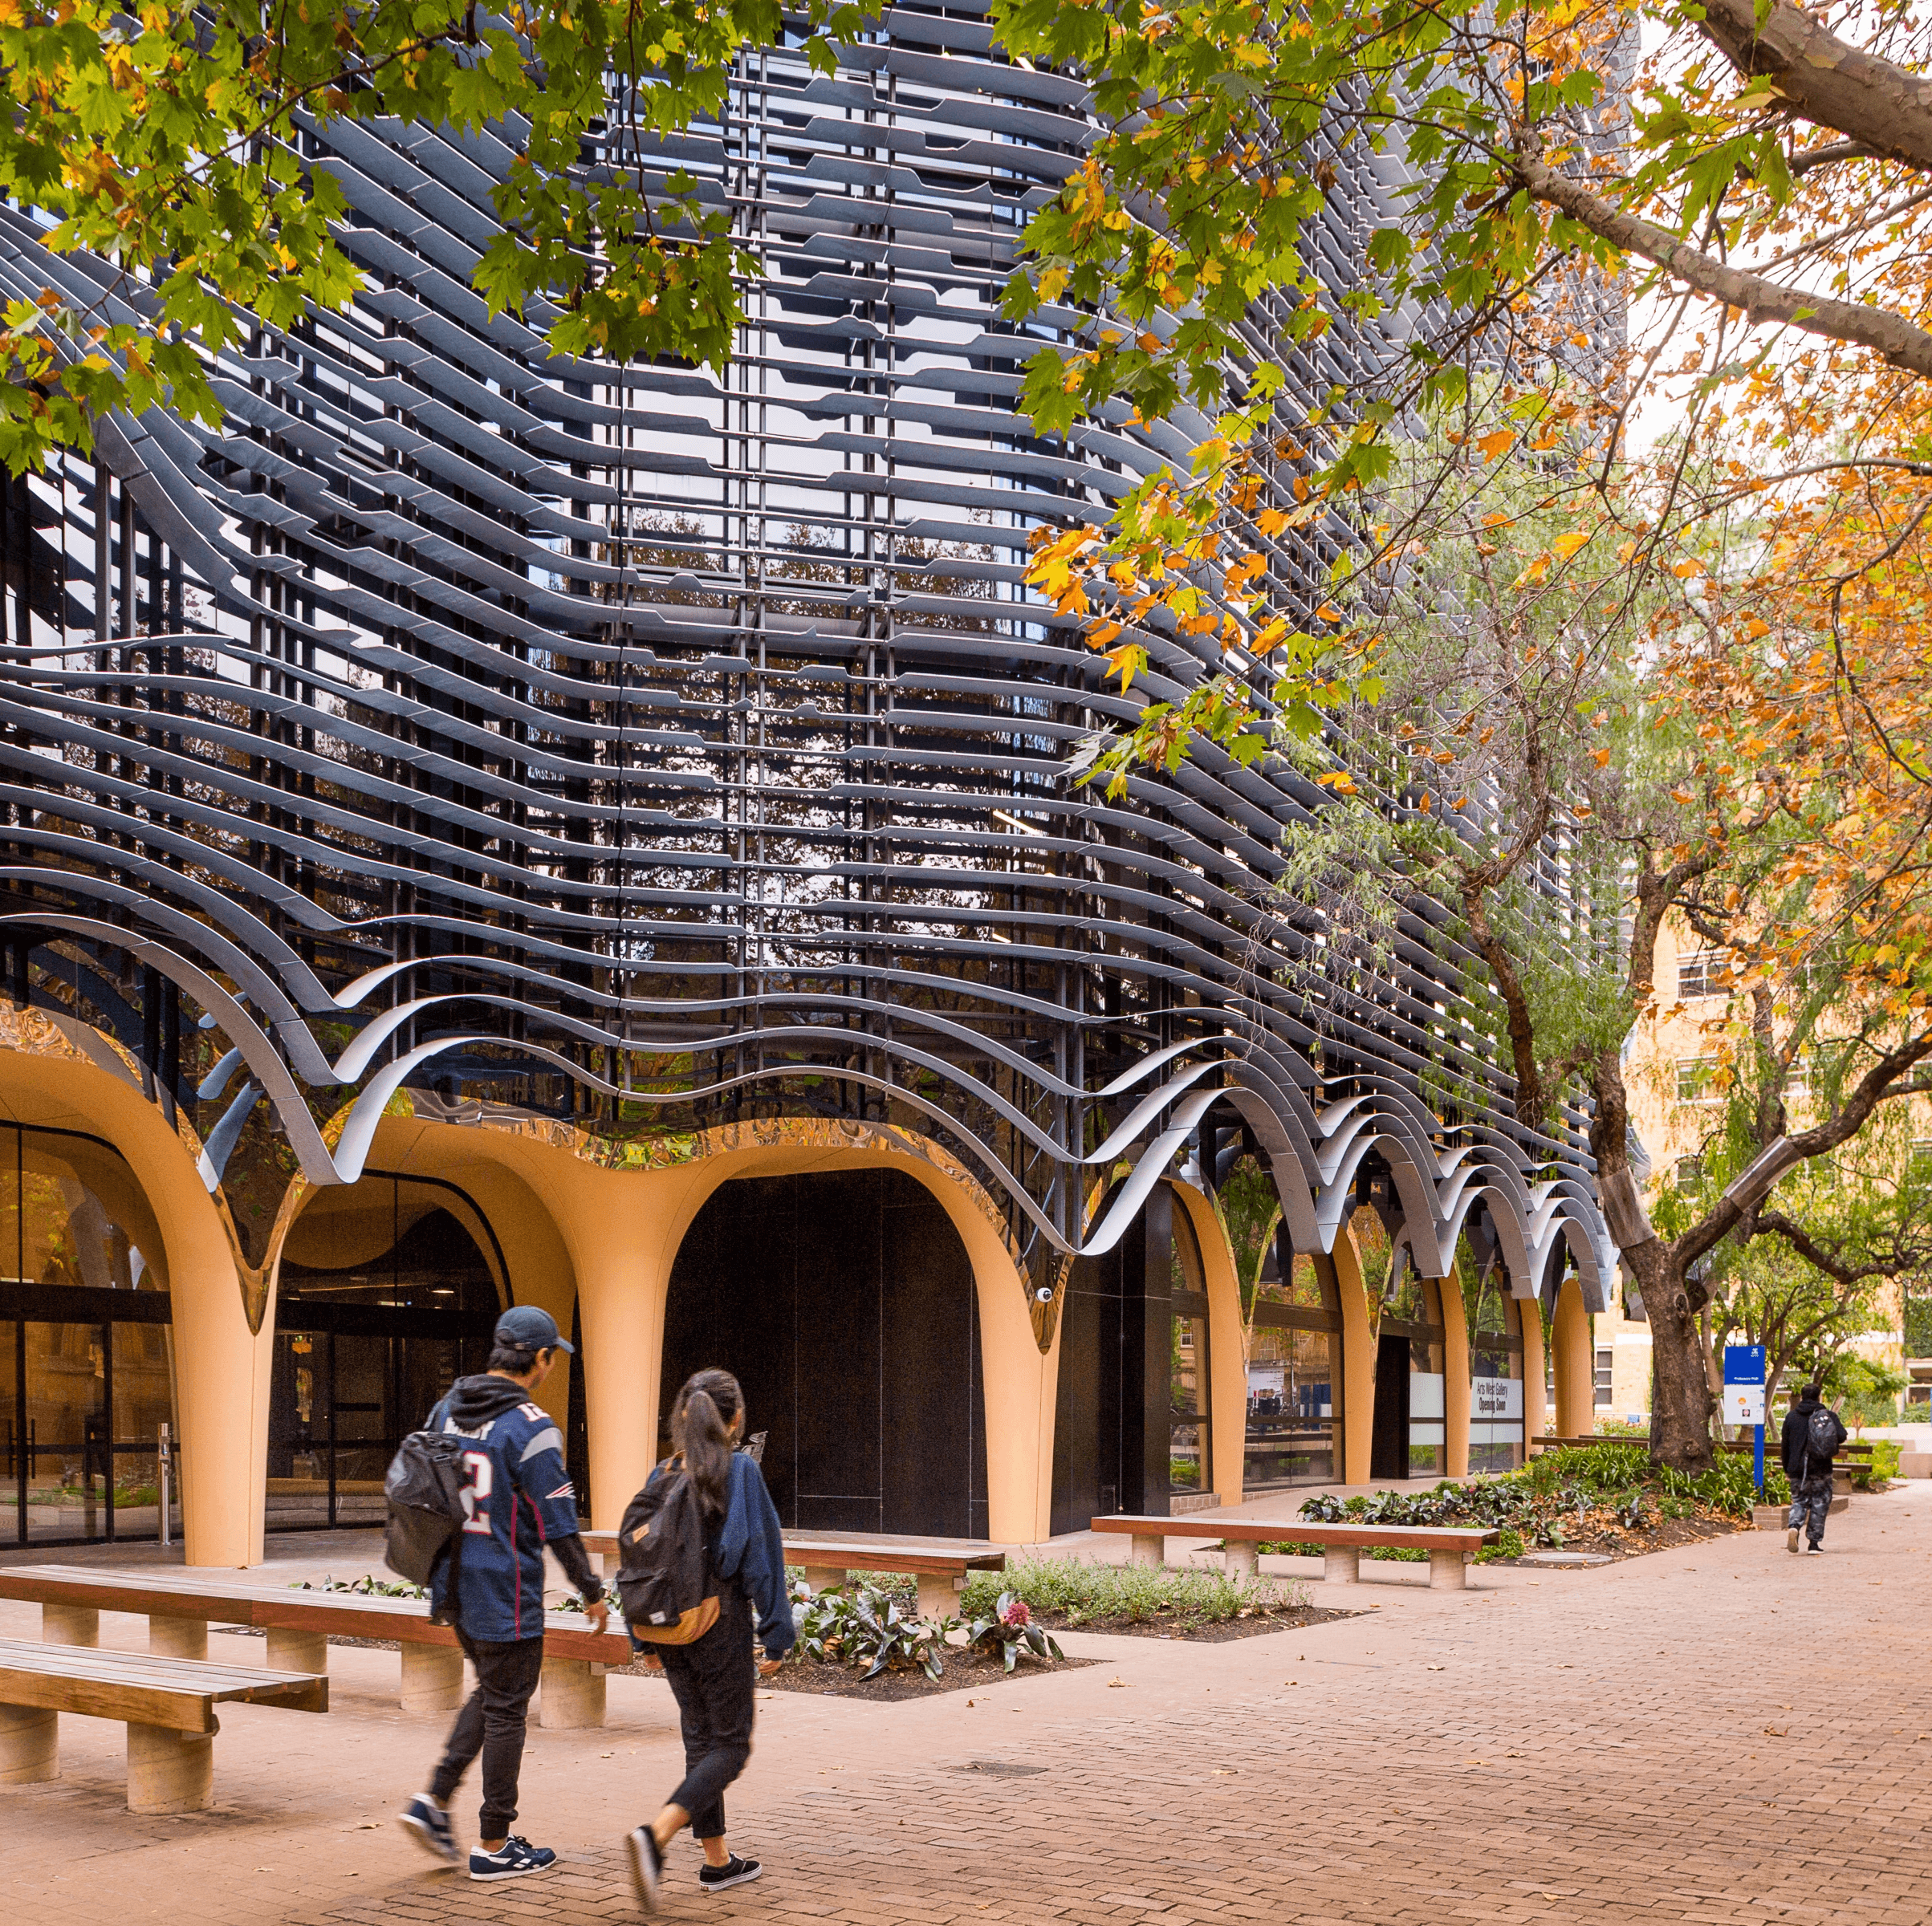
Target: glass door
pixel 69 1466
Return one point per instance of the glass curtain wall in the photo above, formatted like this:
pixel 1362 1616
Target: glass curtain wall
pixel 1495 1371
pixel 1294 1405
pixel 87 1356
pixel 1190 1461
pixel 384 1299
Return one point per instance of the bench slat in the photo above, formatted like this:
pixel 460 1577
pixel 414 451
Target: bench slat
pixel 142 1689
pixel 1304 1531
pixel 858 1554
pixel 347 1614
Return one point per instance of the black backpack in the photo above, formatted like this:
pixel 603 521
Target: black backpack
pixel 424 1487
pixel 1821 1440
pixel 664 1563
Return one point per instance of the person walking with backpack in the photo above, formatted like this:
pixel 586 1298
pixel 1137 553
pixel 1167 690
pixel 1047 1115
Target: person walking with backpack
pixel 1811 1439
pixel 516 1498
pixel 711 1496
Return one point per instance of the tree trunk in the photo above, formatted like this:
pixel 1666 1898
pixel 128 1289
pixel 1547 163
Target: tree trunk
pixel 1680 1423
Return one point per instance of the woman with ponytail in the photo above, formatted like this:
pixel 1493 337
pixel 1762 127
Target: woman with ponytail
pixel 712 1677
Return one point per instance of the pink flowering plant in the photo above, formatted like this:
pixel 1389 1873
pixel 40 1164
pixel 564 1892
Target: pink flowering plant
pixel 1009 1630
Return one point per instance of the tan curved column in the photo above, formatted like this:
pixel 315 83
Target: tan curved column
pixel 1358 1361
pixel 1227 1376
pixel 1535 1409
pixel 1455 1375
pixel 221 1367
pixel 1575 1371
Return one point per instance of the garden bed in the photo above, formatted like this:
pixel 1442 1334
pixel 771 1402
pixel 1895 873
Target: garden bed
pixel 1606 1499
pixel 965 1672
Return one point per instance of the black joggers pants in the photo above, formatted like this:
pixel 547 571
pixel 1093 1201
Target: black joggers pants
pixel 492 1722
pixel 712 1680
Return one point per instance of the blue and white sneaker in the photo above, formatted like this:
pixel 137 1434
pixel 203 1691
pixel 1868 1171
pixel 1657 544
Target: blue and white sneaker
pixel 518 1858
pixel 429 1825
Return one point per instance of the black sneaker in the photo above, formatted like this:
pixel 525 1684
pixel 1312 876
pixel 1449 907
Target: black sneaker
pixel 647 1865
pixel 733 1872
pixel 429 1825
pixel 517 1860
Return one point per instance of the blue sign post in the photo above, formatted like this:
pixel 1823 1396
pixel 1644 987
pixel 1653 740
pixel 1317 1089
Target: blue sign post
pixel 1744 1398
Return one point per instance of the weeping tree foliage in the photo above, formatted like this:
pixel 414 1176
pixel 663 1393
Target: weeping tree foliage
pixel 1542 793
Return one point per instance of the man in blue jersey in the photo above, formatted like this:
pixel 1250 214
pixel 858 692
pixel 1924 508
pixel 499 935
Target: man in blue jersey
pixel 518 1499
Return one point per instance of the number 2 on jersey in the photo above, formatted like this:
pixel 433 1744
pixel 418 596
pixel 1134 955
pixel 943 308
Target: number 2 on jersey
pixel 475 1493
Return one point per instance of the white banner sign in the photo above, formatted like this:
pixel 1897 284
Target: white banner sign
pixel 1495 1398
pixel 1743 1404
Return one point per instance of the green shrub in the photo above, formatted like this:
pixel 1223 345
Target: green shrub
pixel 1884 1457
pixel 1509 1544
pixel 368 1586
pixel 857 1626
pixel 1139 1593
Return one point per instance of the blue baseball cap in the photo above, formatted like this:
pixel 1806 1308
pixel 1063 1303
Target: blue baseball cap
pixel 528 1328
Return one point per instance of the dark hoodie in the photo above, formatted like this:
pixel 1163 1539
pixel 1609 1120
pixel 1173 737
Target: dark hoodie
pixel 1795 1441
pixel 519 1499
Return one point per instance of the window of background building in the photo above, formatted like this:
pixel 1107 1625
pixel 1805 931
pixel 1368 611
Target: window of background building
pixel 1696 1080
pixel 1697 974
pixel 1606 1359
pixel 1690 1172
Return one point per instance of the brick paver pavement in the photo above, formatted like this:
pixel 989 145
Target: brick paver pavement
pixel 1725 1734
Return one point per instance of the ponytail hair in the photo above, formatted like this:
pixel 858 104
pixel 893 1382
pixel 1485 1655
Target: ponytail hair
pixel 701 1427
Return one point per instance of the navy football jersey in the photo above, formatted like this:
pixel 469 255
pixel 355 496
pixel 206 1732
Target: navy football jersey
pixel 517 1497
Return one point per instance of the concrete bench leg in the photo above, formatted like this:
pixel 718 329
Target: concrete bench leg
pixel 30 1745
pixel 1341 1564
pixel 821 1577
pixel 170 1638
pixel 573 1694
pixel 70 1625
pixel 939 1598
pixel 432 1678
pixel 289 1650
pixel 1240 1561
pixel 1145 1550
pixel 1445 1571
pixel 169 1771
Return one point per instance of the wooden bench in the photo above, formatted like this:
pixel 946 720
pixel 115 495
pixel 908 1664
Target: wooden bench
pixel 1449 1546
pixel 939 1569
pixel 181 1607
pixel 168 1705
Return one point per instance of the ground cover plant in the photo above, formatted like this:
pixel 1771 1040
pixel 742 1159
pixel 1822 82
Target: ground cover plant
pixel 1602 1498
pixel 1178 1601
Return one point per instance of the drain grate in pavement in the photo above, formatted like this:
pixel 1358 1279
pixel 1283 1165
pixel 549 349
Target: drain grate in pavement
pixel 1003 1768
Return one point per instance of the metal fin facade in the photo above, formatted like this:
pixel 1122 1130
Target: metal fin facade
pixel 658 752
